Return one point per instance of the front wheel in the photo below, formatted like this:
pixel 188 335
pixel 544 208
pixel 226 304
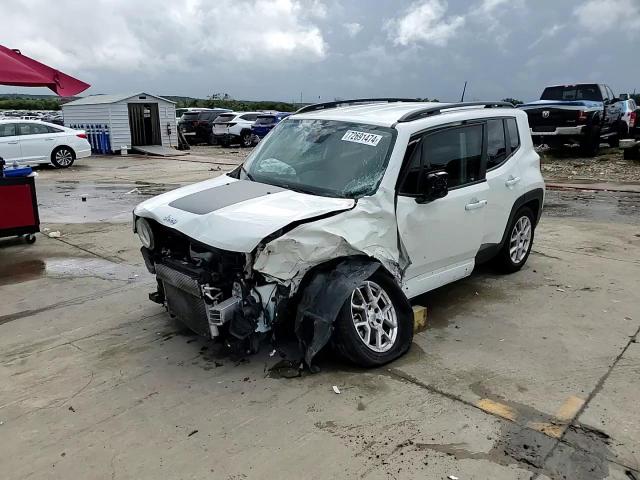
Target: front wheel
pixel 63 157
pixel 374 325
pixel 517 247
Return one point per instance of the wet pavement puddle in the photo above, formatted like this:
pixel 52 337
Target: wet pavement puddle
pixel 66 267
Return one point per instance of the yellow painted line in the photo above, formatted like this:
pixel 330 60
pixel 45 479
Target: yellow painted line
pixel 569 409
pixel 496 408
pixel 549 429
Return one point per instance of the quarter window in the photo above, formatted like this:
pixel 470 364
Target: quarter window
pixel 7 129
pixel 496 143
pixel 514 136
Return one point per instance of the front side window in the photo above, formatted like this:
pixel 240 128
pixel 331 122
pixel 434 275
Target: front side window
pixel 457 151
pixel 7 129
pixel 323 157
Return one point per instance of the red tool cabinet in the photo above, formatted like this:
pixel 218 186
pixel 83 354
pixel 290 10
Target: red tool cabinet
pixel 18 208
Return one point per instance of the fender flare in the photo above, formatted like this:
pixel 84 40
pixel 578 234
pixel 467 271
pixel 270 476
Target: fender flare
pixel 320 299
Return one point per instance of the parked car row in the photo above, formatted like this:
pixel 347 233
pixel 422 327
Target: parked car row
pixel 224 127
pixel 50 116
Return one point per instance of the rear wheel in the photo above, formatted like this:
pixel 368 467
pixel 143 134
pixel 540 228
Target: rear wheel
pixel 374 325
pixel 245 139
pixel 63 157
pixel 517 247
pixel 590 143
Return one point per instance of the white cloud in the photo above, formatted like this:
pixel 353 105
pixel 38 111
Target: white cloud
pixel 158 36
pixel 601 15
pixel 425 22
pixel 352 29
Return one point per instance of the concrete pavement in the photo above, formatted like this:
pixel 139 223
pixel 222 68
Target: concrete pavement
pixel 532 375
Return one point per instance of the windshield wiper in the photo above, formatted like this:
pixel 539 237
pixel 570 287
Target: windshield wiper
pixel 244 170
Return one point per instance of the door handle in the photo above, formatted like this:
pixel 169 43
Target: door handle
pixel 12 143
pixel 511 181
pixel 49 139
pixel 475 205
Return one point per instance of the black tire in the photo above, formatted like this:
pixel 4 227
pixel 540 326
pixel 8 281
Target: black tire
pixel 347 342
pixel 211 140
pixel 245 139
pixel 614 140
pixel 590 143
pixel 503 260
pixel 631 153
pixel 30 238
pixel 63 157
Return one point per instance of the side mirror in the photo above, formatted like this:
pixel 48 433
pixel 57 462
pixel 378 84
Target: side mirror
pixel 435 185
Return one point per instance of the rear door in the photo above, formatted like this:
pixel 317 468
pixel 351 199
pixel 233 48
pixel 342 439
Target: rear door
pixel 36 142
pixel 443 236
pixel 10 143
pixel 610 112
pixel 503 176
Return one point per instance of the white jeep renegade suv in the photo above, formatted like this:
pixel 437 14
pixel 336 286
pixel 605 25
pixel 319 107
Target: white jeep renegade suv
pixel 341 215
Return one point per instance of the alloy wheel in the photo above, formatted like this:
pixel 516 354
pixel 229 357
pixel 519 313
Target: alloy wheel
pixel 520 239
pixel 374 317
pixel 64 158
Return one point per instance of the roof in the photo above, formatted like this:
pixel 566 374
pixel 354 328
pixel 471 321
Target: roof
pixel 382 114
pixel 104 99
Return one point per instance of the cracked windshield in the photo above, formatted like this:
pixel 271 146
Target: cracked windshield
pixel 323 157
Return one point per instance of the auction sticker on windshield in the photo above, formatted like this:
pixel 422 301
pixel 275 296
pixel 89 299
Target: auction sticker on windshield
pixel 362 137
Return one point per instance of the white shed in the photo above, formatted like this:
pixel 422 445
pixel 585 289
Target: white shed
pixel 132 120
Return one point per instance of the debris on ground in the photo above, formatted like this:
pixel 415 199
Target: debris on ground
pixel 336 389
pixel 55 234
pixel 609 166
pixel 71 409
pixel 193 432
pixel 452 477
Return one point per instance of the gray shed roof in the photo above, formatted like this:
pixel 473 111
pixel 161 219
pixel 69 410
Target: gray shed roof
pixel 103 99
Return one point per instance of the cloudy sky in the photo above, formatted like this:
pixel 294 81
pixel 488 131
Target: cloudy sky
pixel 276 49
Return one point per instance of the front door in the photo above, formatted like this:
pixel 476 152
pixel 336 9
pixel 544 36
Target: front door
pixel 9 143
pixel 36 142
pixel 442 237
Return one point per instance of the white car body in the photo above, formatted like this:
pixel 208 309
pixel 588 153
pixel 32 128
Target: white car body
pixel 422 244
pixel 230 127
pixel 32 142
pixel 629 113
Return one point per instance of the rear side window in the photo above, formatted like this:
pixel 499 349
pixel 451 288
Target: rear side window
pixel 496 143
pixel 32 129
pixel 265 120
pixel 251 117
pixel 7 129
pixel 224 118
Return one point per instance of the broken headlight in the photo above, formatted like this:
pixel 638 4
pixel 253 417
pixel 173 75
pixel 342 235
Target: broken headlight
pixel 145 233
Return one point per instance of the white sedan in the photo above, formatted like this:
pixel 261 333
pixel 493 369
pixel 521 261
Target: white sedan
pixel 32 142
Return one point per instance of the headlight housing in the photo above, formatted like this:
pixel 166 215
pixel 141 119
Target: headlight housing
pixel 145 233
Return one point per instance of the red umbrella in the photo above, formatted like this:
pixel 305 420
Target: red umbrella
pixel 18 70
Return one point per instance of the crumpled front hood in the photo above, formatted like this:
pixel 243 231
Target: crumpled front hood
pixel 233 214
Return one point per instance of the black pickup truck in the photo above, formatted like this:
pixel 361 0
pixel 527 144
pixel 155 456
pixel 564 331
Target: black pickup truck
pixel 586 114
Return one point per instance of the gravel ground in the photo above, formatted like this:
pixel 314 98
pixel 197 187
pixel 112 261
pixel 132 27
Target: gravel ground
pixel 608 166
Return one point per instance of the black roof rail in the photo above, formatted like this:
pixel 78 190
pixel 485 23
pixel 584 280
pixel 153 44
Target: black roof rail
pixel 437 110
pixel 356 101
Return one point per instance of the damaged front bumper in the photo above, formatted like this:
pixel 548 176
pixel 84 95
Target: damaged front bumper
pixel 191 294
